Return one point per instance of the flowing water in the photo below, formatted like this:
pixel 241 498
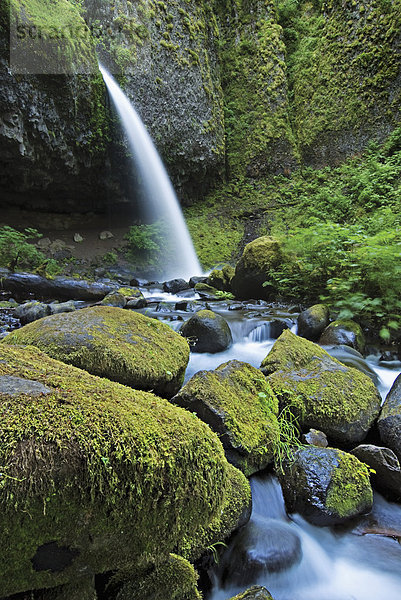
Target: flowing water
pixel 330 564
pixel 161 203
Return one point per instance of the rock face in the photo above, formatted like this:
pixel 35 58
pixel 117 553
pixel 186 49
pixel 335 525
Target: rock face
pixel 343 332
pixel 256 592
pixel 389 421
pixel 326 486
pixel 111 342
pixel 98 474
pixel 240 407
pixel 252 269
pixel 325 394
pixel 207 332
pixel 313 321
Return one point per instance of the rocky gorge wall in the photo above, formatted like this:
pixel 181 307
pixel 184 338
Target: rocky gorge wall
pixel 230 87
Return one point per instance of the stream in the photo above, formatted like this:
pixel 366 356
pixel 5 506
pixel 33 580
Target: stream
pixel 332 563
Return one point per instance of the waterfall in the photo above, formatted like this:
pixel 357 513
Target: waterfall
pixel 161 201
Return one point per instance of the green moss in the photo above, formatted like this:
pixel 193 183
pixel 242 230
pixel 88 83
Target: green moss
pixel 118 475
pixel 130 292
pixel 238 403
pixel 349 486
pixel 114 343
pixel 254 593
pixel 176 575
pixel 323 393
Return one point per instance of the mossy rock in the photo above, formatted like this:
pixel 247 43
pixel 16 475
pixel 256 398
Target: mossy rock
pixel 111 342
pixel 175 579
pixel 83 588
pixel 207 331
pixel 97 476
pixel 238 404
pixel 256 592
pixel 326 486
pixel 252 269
pixel 114 299
pixel 325 394
pixel 343 331
pixel 389 421
pixel 220 279
pixel 313 321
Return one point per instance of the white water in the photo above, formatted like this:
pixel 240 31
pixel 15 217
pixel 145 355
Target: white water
pixel 333 566
pixel 162 202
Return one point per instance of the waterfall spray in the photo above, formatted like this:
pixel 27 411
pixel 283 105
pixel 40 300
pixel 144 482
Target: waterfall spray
pixel 161 200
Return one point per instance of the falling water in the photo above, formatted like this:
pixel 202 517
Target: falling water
pixel 162 203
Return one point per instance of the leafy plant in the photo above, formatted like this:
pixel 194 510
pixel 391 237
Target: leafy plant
pixel 15 249
pixel 147 244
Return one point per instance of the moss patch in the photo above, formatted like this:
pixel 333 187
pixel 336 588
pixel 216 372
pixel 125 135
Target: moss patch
pixel 117 475
pixel 349 487
pixel 238 403
pixel 114 343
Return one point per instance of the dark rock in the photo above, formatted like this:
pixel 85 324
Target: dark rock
pixel 352 358
pixel 313 321
pixel 343 332
pixel 137 303
pixel 263 546
pixel 389 421
pixel 197 279
pixel 326 486
pixel 31 311
pixel 175 285
pixel 207 292
pixel 256 592
pixel 338 400
pixel 315 438
pixel 387 466
pixel 134 282
pixel 52 557
pixel 207 332
pixel 59 287
pixel 252 269
pixel 238 404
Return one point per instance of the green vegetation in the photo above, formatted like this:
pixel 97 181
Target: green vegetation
pixel 148 244
pixel 16 252
pixel 349 487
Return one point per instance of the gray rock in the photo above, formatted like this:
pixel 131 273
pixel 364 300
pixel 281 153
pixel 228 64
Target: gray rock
pixel 60 307
pixel 31 311
pixel 197 279
pixel 13 386
pixel 389 421
pixel 114 299
pixel 387 466
pixel 313 321
pixel 326 486
pixel 343 332
pixel 314 437
pixel 207 332
pixel 105 235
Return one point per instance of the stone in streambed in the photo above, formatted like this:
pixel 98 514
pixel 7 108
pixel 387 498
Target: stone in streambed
pixel 175 285
pixel 121 345
pixel 256 592
pixel 387 475
pixel 31 311
pixel 262 546
pixel 389 421
pixel 326 486
pixel 238 404
pixel 97 473
pixel 325 394
pixel 253 268
pixel 343 331
pixel 313 321
pixel 207 331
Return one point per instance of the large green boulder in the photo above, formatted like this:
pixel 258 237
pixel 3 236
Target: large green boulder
pixel 111 342
pixel 238 404
pixel 324 394
pixel 97 477
pixel 253 268
pixel 326 486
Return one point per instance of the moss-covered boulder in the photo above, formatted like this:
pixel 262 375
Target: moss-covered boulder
pixel 390 419
pixel 97 476
pixel 239 405
pixel 325 394
pixel 313 321
pixel 31 311
pixel 343 331
pixel 220 279
pixel 111 342
pixel 114 299
pixel 207 331
pixel 326 486
pixel 175 579
pixel 252 269
pixel 256 592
